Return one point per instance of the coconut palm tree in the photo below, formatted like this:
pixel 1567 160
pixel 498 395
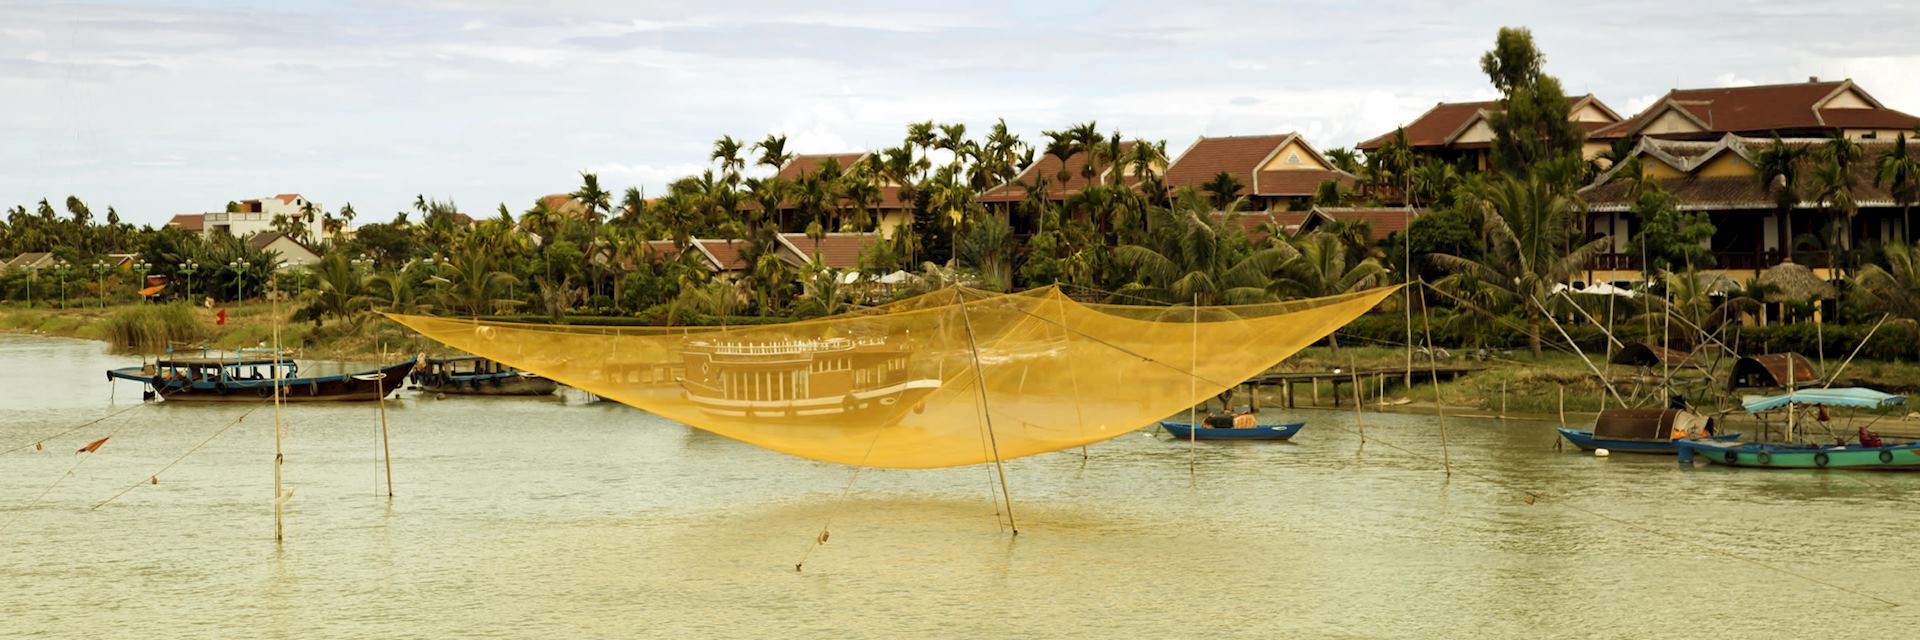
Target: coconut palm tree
pixel 597 201
pixel 773 152
pixel 1196 256
pixel 920 135
pixel 1899 171
pixel 1835 182
pixel 339 291
pixel 1061 146
pixel 1322 266
pixel 1527 233
pixel 1893 287
pixel 727 152
pixel 1222 190
pixel 1344 159
pixel 1778 168
pixel 475 282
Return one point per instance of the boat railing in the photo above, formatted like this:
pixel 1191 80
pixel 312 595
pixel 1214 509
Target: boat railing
pixel 785 347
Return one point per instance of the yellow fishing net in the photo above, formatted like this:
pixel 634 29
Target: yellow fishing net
pixel 952 378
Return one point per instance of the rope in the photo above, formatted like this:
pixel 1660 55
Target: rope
pixel 63 477
pixel 83 425
pixel 155 476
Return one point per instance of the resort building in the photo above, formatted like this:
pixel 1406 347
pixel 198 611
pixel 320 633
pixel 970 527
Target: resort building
pixel 1751 234
pixel 291 252
pixel 888 209
pixel 834 250
pixel 34 261
pixel 1458 132
pixel 1279 171
pixel 248 217
pixel 1811 109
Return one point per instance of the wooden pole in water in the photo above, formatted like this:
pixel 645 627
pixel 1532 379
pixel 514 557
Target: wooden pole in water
pixel 279 459
pixel 1359 419
pixel 1563 405
pixel 980 380
pixel 1503 399
pixel 1316 391
pixel 1433 367
pixel 386 450
pixel 1193 392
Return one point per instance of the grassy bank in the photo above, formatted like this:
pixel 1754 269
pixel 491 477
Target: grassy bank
pixel 133 329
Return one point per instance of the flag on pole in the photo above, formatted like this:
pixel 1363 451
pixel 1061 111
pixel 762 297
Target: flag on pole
pixel 221 318
pixel 93 446
pixel 153 290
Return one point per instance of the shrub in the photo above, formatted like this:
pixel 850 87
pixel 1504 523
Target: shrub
pixel 149 327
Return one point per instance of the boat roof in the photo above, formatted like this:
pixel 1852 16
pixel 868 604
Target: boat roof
pixel 1857 397
pixel 442 359
pixel 241 360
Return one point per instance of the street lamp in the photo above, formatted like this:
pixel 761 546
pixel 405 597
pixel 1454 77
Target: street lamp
pixel 100 270
pixel 142 267
pixel 239 284
pixel 188 268
pixel 61 269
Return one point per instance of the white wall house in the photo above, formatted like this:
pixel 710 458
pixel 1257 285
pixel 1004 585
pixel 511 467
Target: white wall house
pixel 254 216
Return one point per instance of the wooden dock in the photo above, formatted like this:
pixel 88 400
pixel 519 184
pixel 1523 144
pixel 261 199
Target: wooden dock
pixel 1373 383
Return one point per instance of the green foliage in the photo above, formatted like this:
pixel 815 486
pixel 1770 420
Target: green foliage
pixel 1670 239
pixel 1532 126
pixel 148 328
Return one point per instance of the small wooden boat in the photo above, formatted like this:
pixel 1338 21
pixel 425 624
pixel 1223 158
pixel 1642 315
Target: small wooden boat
pixel 474 375
pixel 250 378
pixel 1808 407
pixel 1642 430
pixel 1282 431
pixel 1773 456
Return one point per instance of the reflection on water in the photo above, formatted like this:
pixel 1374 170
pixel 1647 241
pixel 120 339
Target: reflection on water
pixel 518 517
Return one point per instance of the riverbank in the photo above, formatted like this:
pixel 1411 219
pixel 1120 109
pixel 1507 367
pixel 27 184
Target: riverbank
pixel 251 325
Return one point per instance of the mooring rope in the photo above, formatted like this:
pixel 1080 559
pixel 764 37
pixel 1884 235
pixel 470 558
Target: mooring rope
pixel 154 478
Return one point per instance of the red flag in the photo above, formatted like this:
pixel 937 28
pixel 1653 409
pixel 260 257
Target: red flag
pixel 222 318
pixel 93 446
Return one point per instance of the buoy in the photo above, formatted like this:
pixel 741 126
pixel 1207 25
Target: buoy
pixel 1601 453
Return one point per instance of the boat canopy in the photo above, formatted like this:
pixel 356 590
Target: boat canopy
pixel 242 360
pixel 1856 397
pixel 1647 424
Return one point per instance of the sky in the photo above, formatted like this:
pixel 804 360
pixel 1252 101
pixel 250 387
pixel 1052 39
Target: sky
pixel 165 107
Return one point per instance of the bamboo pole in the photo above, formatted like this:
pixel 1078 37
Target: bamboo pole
pixel 1193 392
pixel 386 450
pixel 980 380
pixel 1563 405
pixel 1433 367
pixel 1503 400
pixel 279 457
pixel 1359 417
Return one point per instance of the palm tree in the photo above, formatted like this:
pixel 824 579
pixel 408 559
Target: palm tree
pixel 773 152
pixel 309 214
pixel 1198 257
pixel 726 151
pixel 920 135
pixel 1894 287
pixel 1899 171
pixel 1835 181
pixel 475 285
pixel 1087 137
pixel 1321 267
pixel 1778 168
pixel 1222 190
pixel 597 201
pixel 1344 159
pixel 339 290
pixel 1527 234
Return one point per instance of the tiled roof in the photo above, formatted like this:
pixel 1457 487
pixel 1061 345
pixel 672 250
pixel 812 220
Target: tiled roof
pixel 725 253
pixel 1696 192
pixel 1433 128
pixel 802 165
pixel 1382 222
pixel 836 250
pixel 1763 108
pixel 1208 157
pixel 287 198
pixel 1049 167
pixel 1299 183
pixel 194 222
pixel 26 260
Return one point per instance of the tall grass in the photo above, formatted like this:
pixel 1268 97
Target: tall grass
pixel 148 328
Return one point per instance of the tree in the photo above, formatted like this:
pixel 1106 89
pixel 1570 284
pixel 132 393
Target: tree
pixel 987 249
pixel 1670 239
pixel 1778 168
pixel 1834 181
pixel 1899 171
pixel 727 152
pixel 1344 159
pixel 1893 287
pixel 1321 267
pixel 597 201
pixel 1195 256
pixel 1222 190
pixel 1525 256
pixel 475 282
pixel 339 291
pixel 1533 125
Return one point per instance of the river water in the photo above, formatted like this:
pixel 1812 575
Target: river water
pixel 558 518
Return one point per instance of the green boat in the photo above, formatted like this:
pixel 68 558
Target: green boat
pixel 1801 408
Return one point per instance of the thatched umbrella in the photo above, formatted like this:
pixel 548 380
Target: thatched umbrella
pixel 1796 284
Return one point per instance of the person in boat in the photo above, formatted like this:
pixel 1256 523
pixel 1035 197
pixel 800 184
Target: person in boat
pixel 1217 421
pixel 1245 420
pixel 1870 439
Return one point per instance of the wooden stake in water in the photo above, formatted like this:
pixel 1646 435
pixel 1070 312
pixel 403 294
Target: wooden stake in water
pixel 386 450
pixel 1193 391
pixel 1433 368
pixel 1563 405
pixel 1503 400
pixel 1359 418
pixel 279 459
pixel 980 380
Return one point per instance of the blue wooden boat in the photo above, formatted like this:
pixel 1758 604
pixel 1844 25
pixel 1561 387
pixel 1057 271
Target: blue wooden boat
pixel 250 378
pixel 1780 456
pixel 1853 455
pixel 1648 430
pixel 1282 431
pixel 1586 441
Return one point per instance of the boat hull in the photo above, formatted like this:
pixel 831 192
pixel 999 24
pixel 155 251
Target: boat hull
pixel 1904 457
pixel 1184 431
pixel 335 388
pixel 491 385
pixel 1586 441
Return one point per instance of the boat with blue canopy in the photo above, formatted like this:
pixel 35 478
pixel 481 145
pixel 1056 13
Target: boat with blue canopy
pixel 1276 431
pixel 250 377
pixel 474 375
pixel 1800 408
